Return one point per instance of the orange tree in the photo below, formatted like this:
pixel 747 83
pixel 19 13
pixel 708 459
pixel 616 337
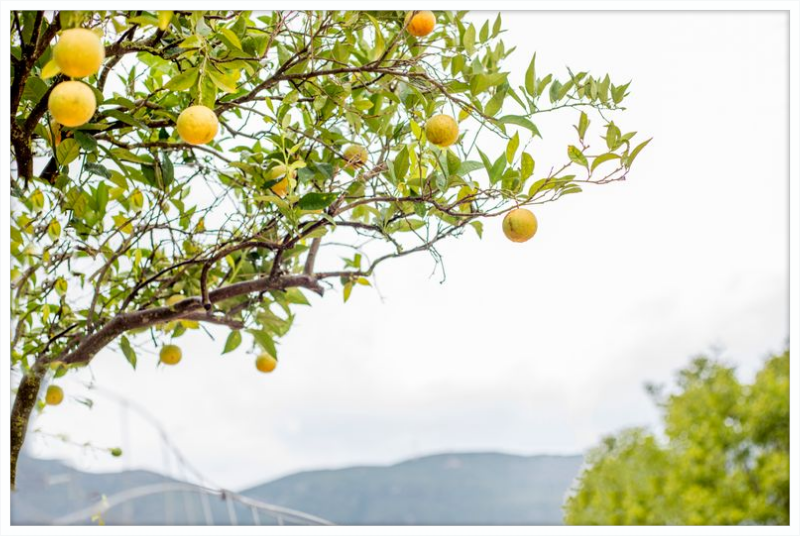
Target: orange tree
pixel 177 168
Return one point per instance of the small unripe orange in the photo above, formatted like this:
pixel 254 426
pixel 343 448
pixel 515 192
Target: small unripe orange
pixel 54 395
pixel 356 156
pixel 266 363
pixel 171 354
pixel 420 24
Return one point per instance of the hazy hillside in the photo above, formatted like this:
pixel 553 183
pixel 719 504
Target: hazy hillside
pixel 48 489
pixel 446 489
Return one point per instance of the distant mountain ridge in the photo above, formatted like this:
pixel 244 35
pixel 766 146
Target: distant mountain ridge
pixel 442 489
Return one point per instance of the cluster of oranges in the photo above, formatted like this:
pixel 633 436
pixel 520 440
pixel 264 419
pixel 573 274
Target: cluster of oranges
pixel 79 53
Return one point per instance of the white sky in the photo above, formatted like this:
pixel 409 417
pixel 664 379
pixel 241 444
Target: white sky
pixel 541 347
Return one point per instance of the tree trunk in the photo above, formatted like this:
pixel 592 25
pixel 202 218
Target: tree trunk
pixel 27 393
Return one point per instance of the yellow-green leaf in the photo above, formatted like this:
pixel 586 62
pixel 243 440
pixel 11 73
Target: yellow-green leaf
pixel 603 158
pixel 164 18
pixel 37 200
pixel 54 230
pixel 123 223
pixel 527 166
pixel 511 148
pixel 577 156
pixel 61 286
pixel 50 70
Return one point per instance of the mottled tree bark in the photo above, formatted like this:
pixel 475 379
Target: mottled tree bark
pixel 27 393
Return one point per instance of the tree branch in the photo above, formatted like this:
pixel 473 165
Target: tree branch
pixel 123 322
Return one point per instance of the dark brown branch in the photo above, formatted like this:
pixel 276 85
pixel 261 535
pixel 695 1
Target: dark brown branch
pixel 123 322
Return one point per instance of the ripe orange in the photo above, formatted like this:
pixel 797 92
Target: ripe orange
pixel 420 24
pixel 79 52
pixel 520 225
pixel 281 188
pixel 197 124
pixel 72 103
pixel 441 130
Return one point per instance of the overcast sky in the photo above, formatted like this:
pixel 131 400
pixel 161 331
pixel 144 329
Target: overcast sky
pixel 541 347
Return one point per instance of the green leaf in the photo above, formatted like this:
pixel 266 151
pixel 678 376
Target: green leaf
pixel 602 89
pixel 564 89
pixel 497 25
pixel 495 103
pixel 264 340
pixel 184 80
pixel 528 165
pixel 35 88
pixel 348 288
pixel 612 136
pixel 167 169
pixel 543 84
pixel 482 82
pixel 232 37
pixel 478 226
pixel 125 118
pixel 555 87
pixel 125 154
pixel 401 164
pixel 54 230
pixel 193 41
pixel 520 121
pixel 583 124
pixel 296 296
pixel 37 200
pixel 487 164
pixel 61 286
pixel 164 18
pixel 67 151
pixel 511 147
pixel 530 77
pixel 87 143
pixel 496 173
pixel 636 152
pixel 222 82
pixel 380 46
pixel 50 70
pixel 317 200
pixel 484 33
pixel 618 93
pixel 233 341
pixel 469 39
pixel 572 189
pixel 128 351
pixel 603 158
pixel 576 155
pixel 405 226
pixel 468 166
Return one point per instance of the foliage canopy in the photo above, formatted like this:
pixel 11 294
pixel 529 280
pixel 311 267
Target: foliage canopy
pixel 112 219
pixel 724 461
